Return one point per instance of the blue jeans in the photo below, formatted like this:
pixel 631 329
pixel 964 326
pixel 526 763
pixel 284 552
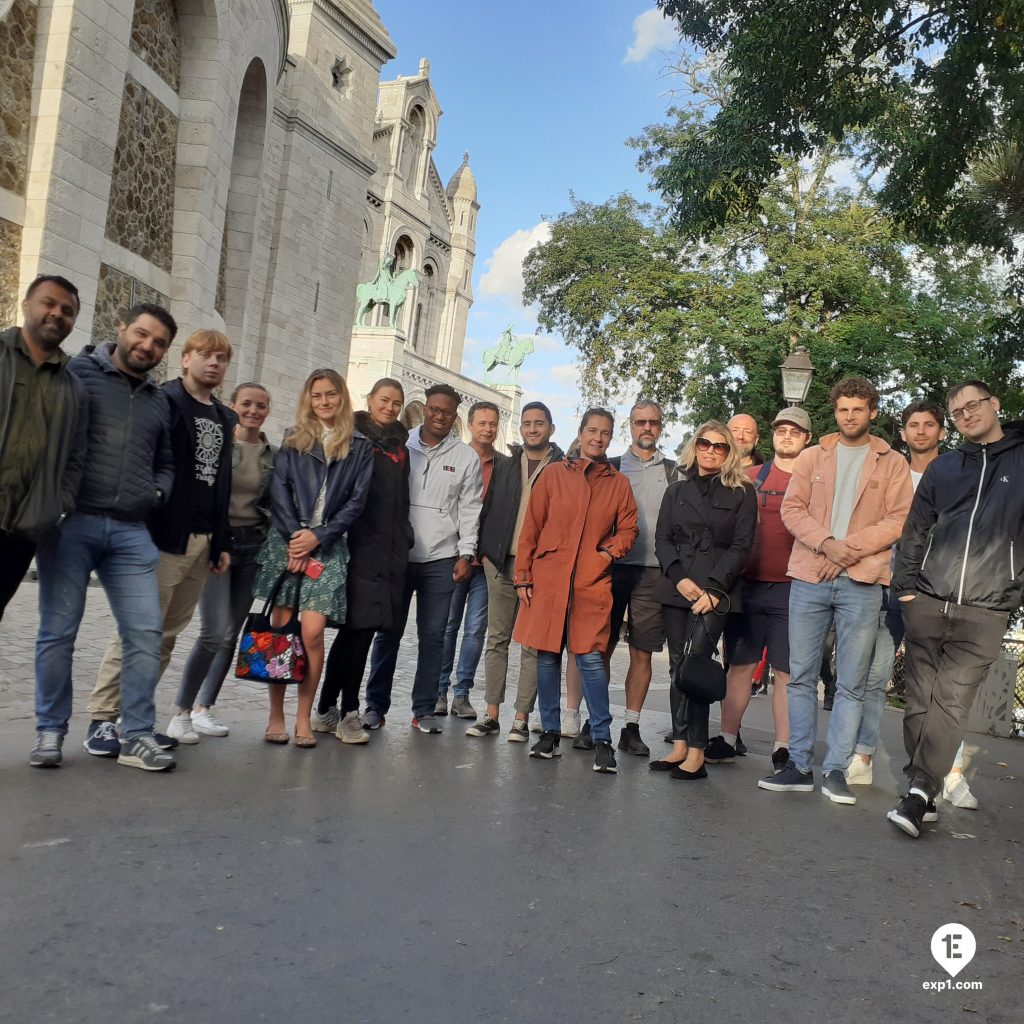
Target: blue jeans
pixel 223 608
pixel 469 598
pixel 125 559
pixel 887 640
pixel 595 689
pixel 432 584
pixel 813 607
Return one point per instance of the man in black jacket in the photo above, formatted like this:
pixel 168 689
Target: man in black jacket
pixel 129 474
pixel 958 577
pixel 191 529
pixel 43 425
pixel 500 523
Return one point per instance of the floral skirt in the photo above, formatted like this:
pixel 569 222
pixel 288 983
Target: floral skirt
pixel 325 595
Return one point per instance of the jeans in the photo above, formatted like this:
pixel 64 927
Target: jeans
pixel 223 607
pixel 887 642
pixel 813 607
pixel 432 584
pixel 595 689
pixel 469 598
pixel 125 559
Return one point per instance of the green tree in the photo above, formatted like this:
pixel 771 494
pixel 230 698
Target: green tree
pixel 921 89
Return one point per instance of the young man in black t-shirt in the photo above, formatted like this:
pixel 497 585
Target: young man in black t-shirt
pixel 191 529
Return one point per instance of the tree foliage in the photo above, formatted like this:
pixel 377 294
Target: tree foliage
pixel 921 89
pixel 703 326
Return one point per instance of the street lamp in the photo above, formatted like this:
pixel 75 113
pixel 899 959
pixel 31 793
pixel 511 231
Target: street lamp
pixel 797 372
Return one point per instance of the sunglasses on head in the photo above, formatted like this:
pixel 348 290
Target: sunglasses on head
pixel 705 444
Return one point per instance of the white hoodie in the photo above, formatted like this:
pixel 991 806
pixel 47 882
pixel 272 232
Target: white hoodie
pixel 445 497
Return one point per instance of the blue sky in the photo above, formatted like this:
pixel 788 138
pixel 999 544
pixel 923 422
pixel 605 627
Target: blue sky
pixel 544 96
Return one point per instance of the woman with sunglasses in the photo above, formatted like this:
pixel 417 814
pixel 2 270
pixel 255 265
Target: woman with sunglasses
pixel 703 539
pixel 318 490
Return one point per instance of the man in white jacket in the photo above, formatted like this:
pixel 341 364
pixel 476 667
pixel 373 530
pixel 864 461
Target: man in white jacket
pixel 445 498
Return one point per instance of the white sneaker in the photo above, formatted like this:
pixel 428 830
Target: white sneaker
pixel 350 729
pixel 326 722
pixel 570 723
pixel 204 721
pixel 180 728
pixel 958 793
pixel 858 773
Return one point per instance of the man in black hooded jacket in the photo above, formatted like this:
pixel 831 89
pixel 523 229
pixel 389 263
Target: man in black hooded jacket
pixel 958 577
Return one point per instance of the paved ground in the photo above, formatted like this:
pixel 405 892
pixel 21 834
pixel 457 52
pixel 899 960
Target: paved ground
pixel 444 879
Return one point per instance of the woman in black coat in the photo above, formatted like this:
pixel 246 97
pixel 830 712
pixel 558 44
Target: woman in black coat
pixel 379 543
pixel 703 538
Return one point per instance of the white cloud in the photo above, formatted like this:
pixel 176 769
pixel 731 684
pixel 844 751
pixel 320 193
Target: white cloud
pixel 652 32
pixel 503 277
pixel 568 376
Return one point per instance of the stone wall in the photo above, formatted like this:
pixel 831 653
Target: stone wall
pixel 10 248
pixel 116 294
pixel 17 49
pixel 155 38
pixel 140 215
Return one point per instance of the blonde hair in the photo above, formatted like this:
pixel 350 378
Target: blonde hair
pixel 731 474
pixel 308 430
pixel 205 341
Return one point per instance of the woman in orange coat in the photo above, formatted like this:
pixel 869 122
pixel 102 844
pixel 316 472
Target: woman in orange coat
pixel 580 518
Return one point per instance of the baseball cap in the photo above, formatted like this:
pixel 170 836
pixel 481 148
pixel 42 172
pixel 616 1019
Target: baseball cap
pixel 795 416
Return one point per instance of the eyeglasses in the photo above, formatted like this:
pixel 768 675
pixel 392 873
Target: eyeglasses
pixel 705 444
pixel 967 408
pixel 434 410
pixel 790 432
pixel 646 423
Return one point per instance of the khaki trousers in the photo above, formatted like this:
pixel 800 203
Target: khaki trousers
pixel 502 607
pixel 181 579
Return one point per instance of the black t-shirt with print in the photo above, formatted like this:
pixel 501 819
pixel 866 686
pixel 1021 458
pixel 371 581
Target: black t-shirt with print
pixel 207 446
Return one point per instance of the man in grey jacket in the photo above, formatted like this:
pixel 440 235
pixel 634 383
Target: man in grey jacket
pixel 445 497
pixel 130 472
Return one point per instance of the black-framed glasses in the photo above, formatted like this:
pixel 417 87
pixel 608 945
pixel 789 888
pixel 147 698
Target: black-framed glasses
pixel 967 408
pixel 646 423
pixel 705 444
pixel 440 413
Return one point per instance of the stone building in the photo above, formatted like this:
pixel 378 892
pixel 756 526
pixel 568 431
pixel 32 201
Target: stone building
pixel 228 159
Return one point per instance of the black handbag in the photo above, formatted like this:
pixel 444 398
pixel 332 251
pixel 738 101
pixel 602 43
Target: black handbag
pixel 273 654
pixel 699 674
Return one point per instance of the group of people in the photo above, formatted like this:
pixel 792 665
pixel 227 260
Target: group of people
pixel 177 501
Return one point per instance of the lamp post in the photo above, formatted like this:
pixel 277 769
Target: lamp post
pixel 797 372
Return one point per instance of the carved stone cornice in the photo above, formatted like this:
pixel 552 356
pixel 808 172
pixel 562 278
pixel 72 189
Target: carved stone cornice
pixel 440 243
pixel 295 122
pixel 435 180
pixel 375 201
pixel 379 44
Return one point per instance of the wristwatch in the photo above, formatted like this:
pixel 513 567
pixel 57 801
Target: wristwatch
pixel 468 558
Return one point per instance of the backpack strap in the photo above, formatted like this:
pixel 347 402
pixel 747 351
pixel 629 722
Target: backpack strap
pixel 762 474
pixel 615 462
pixel 669 465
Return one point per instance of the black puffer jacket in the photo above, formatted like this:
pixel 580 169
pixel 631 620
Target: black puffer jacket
pixel 380 539
pixel 298 479
pixel 964 538
pixel 129 452
pixel 705 538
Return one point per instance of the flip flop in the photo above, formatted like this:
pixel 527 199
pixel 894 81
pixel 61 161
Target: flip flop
pixel 276 737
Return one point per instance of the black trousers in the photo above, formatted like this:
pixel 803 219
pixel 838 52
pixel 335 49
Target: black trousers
pixel 15 557
pixel 689 716
pixel 344 672
pixel 949 650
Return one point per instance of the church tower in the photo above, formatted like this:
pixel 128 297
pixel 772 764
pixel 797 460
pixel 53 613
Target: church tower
pixel 459 291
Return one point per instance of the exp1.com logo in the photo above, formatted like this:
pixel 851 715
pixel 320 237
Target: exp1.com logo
pixel 953 947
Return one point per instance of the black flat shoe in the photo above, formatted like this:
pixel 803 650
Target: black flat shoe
pixel 684 776
pixel 662 766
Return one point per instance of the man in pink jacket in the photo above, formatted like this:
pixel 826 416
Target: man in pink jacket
pixel 845 506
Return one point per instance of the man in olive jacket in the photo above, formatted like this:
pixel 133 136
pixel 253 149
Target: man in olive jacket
pixel 43 426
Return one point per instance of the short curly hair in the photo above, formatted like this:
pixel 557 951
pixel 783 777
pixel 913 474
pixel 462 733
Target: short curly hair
pixel 854 387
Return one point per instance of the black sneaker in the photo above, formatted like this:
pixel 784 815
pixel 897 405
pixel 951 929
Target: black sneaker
pixel 789 780
pixel 546 746
pixel 102 740
pixel 780 758
pixel 584 740
pixel 144 752
pixel 931 812
pixel 720 752
pixel 630 741
pixel 741 747
pixel 908 814
pixel 485 726
pixel 165 742
pixel 834 786
pixel 604 758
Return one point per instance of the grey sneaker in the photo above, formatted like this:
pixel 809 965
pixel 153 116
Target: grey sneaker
pixel 144 752
pixel 441 707
pixel 46 751
pixel 461 708
pixel 834 786
pixel 372 719
pixel 325 721
pixel 485 726
pixel 350 729
pixel 426 723
pixel 518 732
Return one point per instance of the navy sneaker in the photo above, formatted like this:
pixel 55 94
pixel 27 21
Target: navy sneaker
pixel 789 780
pixel 102 740
pixel 834 786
